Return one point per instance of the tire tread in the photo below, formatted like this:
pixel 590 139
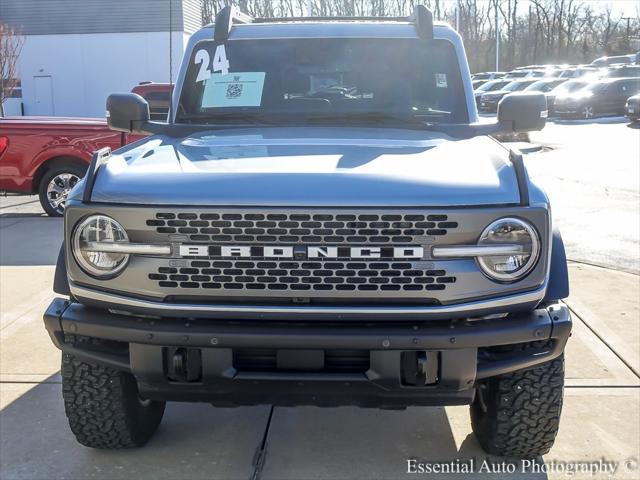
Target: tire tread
pixel 523 411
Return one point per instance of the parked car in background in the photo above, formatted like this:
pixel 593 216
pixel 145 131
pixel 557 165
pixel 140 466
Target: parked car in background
pixel 490 86
pixel 47 156
pixel 562 90
pixel 513 74
pixel 605 97
pixel 604 61
pixel 487 75
pixel 489 101
pixel 158 96
pixel 478 83
pixel 623 71
pixel 545 85
pixel 632 108
pixel 586 71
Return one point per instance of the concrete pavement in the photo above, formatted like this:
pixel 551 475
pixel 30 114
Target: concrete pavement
pixel 591 172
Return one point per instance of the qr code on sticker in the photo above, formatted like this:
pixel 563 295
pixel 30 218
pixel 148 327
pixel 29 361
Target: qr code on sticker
pixel 234 90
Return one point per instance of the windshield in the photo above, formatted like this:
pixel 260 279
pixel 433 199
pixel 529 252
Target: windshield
pixel 597 87
pixel 625 72
pixel 335 78
pixel 568 87
pixel 493 85
pixel 519 85
pixel 543 86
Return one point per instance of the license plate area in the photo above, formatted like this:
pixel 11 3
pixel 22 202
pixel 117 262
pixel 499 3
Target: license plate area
pixel 260 360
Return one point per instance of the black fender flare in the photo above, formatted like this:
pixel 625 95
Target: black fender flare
pixel 558 287
pixel 60 279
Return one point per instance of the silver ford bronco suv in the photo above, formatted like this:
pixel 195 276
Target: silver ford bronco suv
pixel 321 221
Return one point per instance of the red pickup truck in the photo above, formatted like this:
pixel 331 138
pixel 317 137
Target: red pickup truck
pixel 49 155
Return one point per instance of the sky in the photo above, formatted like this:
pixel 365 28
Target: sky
pixel 627 8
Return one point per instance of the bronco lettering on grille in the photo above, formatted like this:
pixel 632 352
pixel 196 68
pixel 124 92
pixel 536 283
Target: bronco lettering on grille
pixel 246 251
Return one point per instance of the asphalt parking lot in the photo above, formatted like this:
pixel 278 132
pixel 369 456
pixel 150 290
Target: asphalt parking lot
pixel 591 172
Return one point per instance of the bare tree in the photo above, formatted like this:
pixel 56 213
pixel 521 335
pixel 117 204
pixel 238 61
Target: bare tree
pixel 10 46
pixel 545 31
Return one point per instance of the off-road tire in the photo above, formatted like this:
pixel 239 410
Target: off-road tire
pixel 104 408
pixel 53 172
pixel 517 415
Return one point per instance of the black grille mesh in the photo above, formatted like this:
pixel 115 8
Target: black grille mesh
pixel 307 228
pixel 288 275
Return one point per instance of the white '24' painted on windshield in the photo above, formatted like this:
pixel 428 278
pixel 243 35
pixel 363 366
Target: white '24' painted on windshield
pixel 220 63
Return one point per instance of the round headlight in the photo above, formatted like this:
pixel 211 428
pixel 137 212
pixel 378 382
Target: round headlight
pixel 87 237
pixel 513 266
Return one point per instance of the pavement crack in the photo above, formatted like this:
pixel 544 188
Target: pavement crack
pixel 260 455
pixel 604 341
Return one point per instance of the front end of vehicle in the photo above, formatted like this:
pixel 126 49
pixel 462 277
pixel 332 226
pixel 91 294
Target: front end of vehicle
pixel 406 306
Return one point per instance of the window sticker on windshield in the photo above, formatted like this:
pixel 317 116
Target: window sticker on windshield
pixel 441 80
pixel 241 89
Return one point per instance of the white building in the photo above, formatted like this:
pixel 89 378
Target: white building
pixel 76 52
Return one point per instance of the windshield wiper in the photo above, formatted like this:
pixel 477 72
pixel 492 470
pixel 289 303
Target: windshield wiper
pixel 228 118
pixel 410 119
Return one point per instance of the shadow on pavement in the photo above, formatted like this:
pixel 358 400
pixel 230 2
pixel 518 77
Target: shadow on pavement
pixel 336 443
pixel 198 441
pixel 194 441
pixel 29 239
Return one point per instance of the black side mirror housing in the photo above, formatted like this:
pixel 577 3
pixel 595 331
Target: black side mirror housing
pixel 523 112
pixel 127 112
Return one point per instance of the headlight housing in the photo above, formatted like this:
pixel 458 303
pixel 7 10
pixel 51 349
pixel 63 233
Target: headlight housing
pixel 512 267
pixel 94 230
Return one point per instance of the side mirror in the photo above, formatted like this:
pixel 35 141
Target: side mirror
pixel 127 112
pixel 523 112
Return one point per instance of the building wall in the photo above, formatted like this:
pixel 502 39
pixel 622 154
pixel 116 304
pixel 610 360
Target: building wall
pixel 48 17
pixel 79 71
pixel 191 15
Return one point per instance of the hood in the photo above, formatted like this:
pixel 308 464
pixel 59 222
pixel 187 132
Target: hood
pixel 309 167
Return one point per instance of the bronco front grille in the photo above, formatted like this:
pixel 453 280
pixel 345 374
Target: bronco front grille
pixel 281 228
pixel 289 275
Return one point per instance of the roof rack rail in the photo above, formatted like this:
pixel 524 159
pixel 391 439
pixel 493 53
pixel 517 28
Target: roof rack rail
pixel 421 17
pixel 225 20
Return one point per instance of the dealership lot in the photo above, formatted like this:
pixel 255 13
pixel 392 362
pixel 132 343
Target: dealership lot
pixel 591 172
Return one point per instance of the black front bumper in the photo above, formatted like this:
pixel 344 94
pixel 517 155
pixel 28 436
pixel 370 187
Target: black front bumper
pixel 330 363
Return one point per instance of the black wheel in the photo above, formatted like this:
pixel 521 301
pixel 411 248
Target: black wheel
pixel 55 186
pixel 104 408
pixel 517 415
